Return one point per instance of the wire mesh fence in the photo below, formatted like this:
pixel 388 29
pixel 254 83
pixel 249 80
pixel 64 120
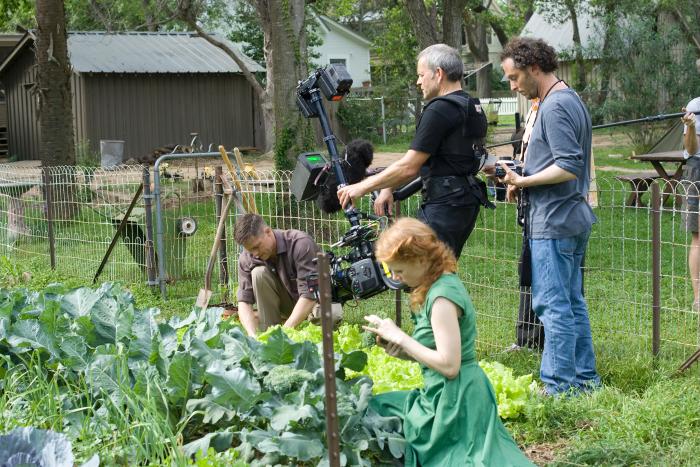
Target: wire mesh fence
pixel 636 264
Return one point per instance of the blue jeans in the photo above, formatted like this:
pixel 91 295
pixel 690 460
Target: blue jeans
pixel 568 360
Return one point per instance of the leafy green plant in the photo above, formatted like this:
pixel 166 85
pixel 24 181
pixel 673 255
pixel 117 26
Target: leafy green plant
pixel 32 446
pixel 207 385
pixel 392 374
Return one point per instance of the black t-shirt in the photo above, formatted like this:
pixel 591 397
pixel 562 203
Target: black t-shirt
pixel 440 122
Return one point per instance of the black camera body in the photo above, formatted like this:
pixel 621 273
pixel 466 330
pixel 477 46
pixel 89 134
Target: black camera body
pixel 512 165
pixel 356 274
pixel 333 81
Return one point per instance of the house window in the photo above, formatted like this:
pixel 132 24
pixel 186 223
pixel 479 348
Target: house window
pixel 339 61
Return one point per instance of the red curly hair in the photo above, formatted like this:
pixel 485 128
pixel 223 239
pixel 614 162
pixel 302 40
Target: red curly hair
pixel 411 240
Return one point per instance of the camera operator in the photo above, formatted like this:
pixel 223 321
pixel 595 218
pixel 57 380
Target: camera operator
pixel 272 271
pixel 442 152
pixel 558 218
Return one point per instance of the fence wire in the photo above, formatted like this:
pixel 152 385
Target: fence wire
pixel 88 204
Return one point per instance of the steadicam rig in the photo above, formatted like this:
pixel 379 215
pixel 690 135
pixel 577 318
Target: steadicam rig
pixel 356 274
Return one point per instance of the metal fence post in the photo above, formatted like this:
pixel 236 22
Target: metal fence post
pixel 223 258
pixel 332 433
pixel 148 244
pixel 48 203
pixel 397 293
pixel 655 268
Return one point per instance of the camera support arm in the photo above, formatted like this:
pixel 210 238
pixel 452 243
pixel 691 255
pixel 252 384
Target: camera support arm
pixel 329 138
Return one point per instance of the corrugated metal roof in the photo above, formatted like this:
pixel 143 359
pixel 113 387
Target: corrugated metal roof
pixel 151 52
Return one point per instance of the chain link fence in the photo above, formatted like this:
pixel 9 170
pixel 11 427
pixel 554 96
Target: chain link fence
pixel 636 269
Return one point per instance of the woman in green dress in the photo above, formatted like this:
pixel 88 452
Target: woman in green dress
pixel 453 420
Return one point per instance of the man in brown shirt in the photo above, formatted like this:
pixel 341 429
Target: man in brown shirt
pixel 272 272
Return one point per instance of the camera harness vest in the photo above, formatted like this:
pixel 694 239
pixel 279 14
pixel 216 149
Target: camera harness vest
pixel 473 127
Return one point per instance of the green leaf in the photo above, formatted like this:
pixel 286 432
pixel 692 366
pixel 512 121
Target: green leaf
pixel 220 441
pixel 27 333
pixel 235 386
pixel 307 357
pixel 181 373
pixel 279 349
pixel 290 413
pixel 80 302
pixel 212 411
pixel 75 353
pixel 112 322
pixel 355 361
pixel 300 446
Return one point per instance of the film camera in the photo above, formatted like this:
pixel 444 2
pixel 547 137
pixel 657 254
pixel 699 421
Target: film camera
pixel 356 274
pixel 511 164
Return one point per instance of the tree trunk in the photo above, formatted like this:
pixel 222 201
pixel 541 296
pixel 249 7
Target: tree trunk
pixel 580 62
pixel 53 90
pixel 476 40
pixel 452 23
pixel 286 62
pixel 423 24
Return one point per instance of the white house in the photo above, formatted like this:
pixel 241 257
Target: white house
pixel 342 45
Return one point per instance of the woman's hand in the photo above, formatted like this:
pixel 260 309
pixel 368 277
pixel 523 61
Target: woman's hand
pixel 387 330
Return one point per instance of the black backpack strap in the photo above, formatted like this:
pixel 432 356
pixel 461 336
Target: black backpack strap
pixel 474 118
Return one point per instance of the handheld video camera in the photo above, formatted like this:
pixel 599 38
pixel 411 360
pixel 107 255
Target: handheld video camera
pixel 511 164
pixel 356 274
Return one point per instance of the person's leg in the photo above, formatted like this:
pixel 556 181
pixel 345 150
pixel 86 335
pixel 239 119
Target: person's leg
pixel 274 302
pixel 694 267
pixel 452 224
pixel 552 265
pixel 529 331
pixel 586 374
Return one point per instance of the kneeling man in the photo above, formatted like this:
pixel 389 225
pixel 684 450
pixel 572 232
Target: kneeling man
pixel 272 272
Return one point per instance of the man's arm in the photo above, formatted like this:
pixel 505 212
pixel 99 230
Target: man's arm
pixel 248 318
pixel 690 138
pixel 549 176
pixel 398 173
pixel 300 312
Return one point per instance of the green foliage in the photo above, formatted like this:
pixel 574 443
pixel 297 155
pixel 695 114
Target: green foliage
pixel 14 13
pixel 359 118
pixel 283 145
pixel 644 86
pixel 393 374
pixel 122 369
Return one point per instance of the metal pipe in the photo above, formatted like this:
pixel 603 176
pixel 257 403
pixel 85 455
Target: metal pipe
pixel 652 118
pixel 397 295
pixel 223 258
pixel 325 298
pixel 148 244
pixel 48 200
pixel 159 213
pixel 655 269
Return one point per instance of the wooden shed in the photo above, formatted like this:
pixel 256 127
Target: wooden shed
pixel 147 89
pixel 7 44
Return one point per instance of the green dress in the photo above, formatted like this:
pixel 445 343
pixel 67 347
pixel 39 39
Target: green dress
pixel 451 422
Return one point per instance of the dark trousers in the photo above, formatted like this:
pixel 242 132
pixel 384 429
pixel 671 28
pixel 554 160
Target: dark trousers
pixel 529 331
pixel 451 223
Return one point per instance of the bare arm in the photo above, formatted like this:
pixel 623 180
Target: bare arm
pixel 447 357
pixel 690 138
pixel 549 176
pixel 300 312
pixel 248 318
pixel 398 173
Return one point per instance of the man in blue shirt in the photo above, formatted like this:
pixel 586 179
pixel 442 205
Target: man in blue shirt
pixel 558 219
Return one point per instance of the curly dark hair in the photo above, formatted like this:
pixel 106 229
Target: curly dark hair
pixel 526 51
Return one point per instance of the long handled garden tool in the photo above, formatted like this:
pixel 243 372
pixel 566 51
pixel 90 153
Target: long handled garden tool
pixel 205 293
pixel 248 198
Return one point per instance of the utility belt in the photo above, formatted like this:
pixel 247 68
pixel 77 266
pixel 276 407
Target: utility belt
pixel 444 188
